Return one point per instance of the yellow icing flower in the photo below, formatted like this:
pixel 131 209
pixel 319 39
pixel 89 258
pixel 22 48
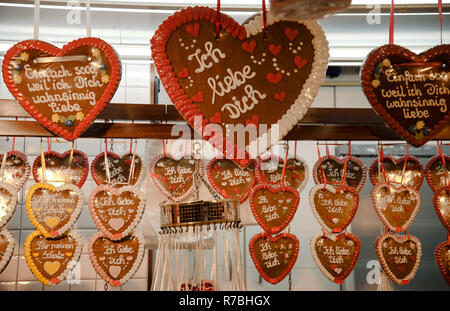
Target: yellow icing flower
pixel 105 78
pixel 79 116
pixel 386 63
pixel 96 52
pixel 24 56
pixel 420 125
pixel 17 79
pixel 55 118
pixel 375 83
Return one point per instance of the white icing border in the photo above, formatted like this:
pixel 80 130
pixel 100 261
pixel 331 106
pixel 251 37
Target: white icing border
pixel 19 183
pixel 311 87
pixel 117 192
pixel 12 204
pixel 6 257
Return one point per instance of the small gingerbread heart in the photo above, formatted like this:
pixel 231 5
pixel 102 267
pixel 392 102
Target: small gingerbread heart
pixel 8 202
pixel 436 174
pixel 7 244
pixel 16 170
pixel 399 256
pixel 442 256
pixel 441 203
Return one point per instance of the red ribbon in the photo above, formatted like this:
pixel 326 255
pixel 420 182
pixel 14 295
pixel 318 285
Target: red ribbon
pixel 391 24
pixel 218 20
pixel 264 16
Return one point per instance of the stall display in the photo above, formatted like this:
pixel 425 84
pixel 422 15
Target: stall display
pixel 16 169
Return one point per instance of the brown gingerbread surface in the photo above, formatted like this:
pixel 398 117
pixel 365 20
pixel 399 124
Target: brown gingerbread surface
pixel 271 170
pixel 331 169
pixel 119 169
pixel 16 170
pixel 412 177
pixel 441 201
pixel 442 256
pixel 437 175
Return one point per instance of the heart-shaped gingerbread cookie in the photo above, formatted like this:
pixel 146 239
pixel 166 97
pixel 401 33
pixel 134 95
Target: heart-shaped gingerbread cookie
pixel 442 256
pixel 119 169
pixel 441 203
pixel 330 169
pixel 396 206
pixel 16 170
pixel 274 257
pixel 335 255
pixel 270 171
pixel 409 91
pixel 412 177
pixel 116 261
pixel 273 207
pixel 116 211
pixel 231 180
pixel 51 260
pixel 437 176
pixel 399 256
pixel 8 202
pixel 253 74
pixel 54 210
pixel 56 166
pixel 7 244
pixel 334 208
pixel 174 177
pixel 63 89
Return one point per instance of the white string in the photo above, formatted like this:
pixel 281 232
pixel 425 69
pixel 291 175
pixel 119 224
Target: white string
pixel 37 4
pixel 88 19
pixel 5 155
pixel 157 260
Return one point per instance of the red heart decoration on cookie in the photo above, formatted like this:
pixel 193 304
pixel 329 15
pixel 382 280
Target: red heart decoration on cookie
pixel 409 91
pixel 336 256
pixel 16 170
pixel 396 206
pixel 272 207
pixel 7 244
pixel 174 177
pixel 231 180
pixel 334 208
pixel 239 71
pixel 116 261
pixel 56 165
pixel 399 256
pixel 441 203
pixel 442 256
pixel 274 257
pixel 8 202
pixel 116 211
pixel 437 176
pixel 63 89
pixel 412 177
pixel 331 168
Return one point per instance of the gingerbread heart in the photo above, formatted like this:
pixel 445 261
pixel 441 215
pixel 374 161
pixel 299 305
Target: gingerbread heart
pixel 441 203
pixel 274 257
pixel 8 202
pixel 233 81
pixel 273 207
pixel 116 211
pixel 57 165
pixel 437 176
pixel 270 171
pixel 119 169
pixel 174 177
pixel 399 256
pixel 334 208
pixel 63 89
pixel 16 170
pixel 409 91
pixel 7 244
pixel 331 168
pixel 52 260
pixel 54 210
pixel 335 255
pixel 396 206
pixel 116 261
pixel 442 256
pixel 412 177
pixel 201 286
pixel 231 180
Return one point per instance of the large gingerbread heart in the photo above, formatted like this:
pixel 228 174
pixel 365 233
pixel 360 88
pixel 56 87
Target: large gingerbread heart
pixel 116 261
pixel 335 255
pixel 270 171
pixel 396 206
pixel 436 174
pixel 330 169
pixel 52 260
pixel 119 169
pixel 249 75
pixel 399 256
pixel 442 256
pixel 54 210
pixel 63 89
pixel 231 180
pixel 334 208
pixel 174 177
pixel 441 203
pixel 7 244
pixel 274 207
pixel 409 91
pixel 56 166
pixel 412 177
pixel 16 170
pixel 116 211
pixel 8 202
pixel 274 257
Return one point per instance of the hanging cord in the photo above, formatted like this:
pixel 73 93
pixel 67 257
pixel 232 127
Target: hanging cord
pixel 444 165
pixel 218 20
pixel 284 166
pixel 132 165
pixel 264 14
pixel 440 16
pixel 88 19
pixel 69 165
pixel 43 168
pixel 108 174
pixel 37 4
pixel 391 24
pixel 404 164
pixel 323 179
pixel 5 154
